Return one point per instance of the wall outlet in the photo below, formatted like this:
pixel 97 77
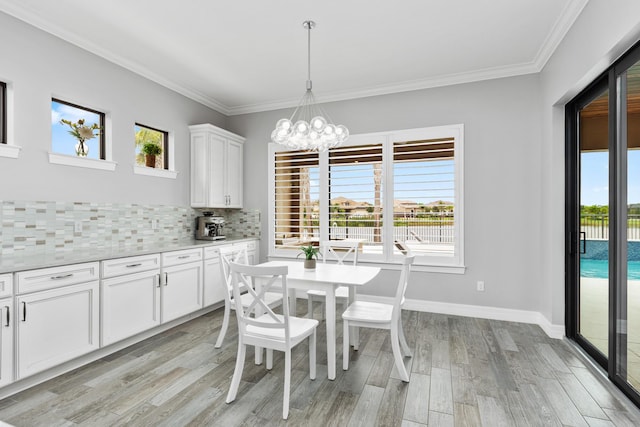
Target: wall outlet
pixel 480 286
pixel 155 224
pixel 77 227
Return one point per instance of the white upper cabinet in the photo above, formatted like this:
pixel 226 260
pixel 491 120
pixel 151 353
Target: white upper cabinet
pixel 216 167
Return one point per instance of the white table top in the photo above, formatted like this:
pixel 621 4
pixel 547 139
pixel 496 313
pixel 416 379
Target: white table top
pixel 350 275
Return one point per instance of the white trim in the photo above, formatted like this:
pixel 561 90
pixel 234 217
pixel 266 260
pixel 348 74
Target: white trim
pixel 81 162
pixel 479 311
pixel 159 173
pixel 10 151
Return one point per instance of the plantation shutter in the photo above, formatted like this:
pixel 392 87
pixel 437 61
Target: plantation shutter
pixel 424 195
pixel 297 199
pixel 356 194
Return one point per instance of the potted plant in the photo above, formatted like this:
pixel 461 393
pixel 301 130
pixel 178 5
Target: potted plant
pixel 150 151
pixel 310 255
pixel 82 132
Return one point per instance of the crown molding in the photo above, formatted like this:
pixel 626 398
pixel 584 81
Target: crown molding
pixel 561 27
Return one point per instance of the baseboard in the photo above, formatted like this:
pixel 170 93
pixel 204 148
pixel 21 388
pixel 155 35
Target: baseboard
pixel 482 312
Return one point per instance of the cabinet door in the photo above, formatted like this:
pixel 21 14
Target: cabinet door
pixel 234 174
pixel 55 326
pixel 199 169
pixel 217 158
pixel 130 304
pixel 214 286
pixel 6 341
pixel 181 290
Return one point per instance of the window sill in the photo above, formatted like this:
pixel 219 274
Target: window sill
pixel 159 173
pixel 10 151
pixel 82 162
pixel 446 269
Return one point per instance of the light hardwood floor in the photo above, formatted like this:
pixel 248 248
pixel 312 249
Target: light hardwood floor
pixel 464 372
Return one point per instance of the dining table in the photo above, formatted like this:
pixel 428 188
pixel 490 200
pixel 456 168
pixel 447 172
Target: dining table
pixel 326 277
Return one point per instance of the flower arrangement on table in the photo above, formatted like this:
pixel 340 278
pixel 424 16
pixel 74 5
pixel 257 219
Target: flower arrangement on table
pixel 82 132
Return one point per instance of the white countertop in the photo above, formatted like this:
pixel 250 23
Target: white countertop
pixel 20 262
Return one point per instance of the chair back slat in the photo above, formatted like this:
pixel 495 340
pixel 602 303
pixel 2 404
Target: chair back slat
pixel 245 277
pixel 403 282
pixel 340 250
pixel 227 255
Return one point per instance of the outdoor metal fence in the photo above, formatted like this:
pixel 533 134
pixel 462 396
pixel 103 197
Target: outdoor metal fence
pixel 596 226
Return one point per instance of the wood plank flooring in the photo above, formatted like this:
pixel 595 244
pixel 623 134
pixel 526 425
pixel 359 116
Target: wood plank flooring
pixel 464 372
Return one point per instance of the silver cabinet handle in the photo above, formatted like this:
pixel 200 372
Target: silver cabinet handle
pixel 184 256
pixel 63 276
pixel 158 279
pixel 134 265
pixel 8 316
pixel 166 279
pixel 24 311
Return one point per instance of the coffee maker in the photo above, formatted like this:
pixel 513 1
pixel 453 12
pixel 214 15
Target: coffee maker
pixel 209 227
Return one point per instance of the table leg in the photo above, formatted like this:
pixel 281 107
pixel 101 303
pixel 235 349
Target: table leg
pixel 354 331
pixel 330 304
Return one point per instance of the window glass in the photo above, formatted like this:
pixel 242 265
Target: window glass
pixel 151 147
pixel 297 199
pixel 356 195
pixel 76 131
pixel 424 195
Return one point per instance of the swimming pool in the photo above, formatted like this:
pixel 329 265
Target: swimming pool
pixel 599 268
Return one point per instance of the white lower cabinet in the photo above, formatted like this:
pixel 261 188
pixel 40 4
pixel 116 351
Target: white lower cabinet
pixel 6 341
pixel 181 284
pixel 130 305
pixel 55 326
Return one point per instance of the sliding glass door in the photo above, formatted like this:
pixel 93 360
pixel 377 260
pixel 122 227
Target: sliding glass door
pixel 603 222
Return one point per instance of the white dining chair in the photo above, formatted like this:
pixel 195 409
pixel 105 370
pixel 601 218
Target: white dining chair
pixel 339 251
pixel 381 316
pixel 238 254
pixel 269 330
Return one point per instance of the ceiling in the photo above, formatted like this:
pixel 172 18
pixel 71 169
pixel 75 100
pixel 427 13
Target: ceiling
pixel 246 56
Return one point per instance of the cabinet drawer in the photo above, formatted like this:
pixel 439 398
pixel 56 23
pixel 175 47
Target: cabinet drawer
pixel 134 264
pixel 211 252
pixel 54 277
pixel 180 257
pixel 6 285
pixel 251 246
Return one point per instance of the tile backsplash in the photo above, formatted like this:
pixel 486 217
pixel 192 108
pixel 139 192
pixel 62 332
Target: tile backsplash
pixel 29 227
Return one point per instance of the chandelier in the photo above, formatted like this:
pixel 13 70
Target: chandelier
pixel 309 127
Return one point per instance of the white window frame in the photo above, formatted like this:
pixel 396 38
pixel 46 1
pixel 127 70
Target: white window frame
pixel 10 149
pixel 170 172
pixel 441 264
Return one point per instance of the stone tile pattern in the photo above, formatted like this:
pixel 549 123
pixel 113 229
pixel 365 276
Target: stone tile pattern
pixel 33 227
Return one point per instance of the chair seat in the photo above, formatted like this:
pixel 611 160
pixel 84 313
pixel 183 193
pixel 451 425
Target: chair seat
pixel 373 312
pixel 298 328
pixel 341 292
pixel 269 298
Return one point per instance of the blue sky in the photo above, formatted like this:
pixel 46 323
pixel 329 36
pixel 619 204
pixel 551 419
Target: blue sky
pixel 595 177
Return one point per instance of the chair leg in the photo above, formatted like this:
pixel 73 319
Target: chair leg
pixel 287 383
pixel 397 354
pixel 269 359
pixel 309 306
pixel 403 341
pixel 225 325
pixel 312 355
pixel 237 373
pixel 345 345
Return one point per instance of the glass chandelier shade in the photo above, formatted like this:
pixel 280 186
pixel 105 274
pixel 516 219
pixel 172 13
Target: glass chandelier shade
pixel 309 127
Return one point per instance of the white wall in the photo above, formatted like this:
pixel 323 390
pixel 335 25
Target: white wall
pixel 38 66
pixel 604 30
pixel 502 139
